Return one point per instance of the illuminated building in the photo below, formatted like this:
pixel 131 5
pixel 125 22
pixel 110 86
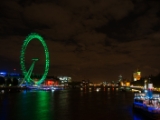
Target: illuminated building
pixel 136 75
pixel 85 83
pixel 64 79
pixel 3 74
pixel 120 78
pixel 51 82
pixel 125 83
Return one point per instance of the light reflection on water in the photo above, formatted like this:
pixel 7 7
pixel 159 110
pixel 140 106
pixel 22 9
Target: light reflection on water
pixel 67 105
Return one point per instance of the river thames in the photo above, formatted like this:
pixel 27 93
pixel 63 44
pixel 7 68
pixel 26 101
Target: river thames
pixel 68 105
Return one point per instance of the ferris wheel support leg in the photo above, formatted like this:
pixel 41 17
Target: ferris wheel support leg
pixel 28 74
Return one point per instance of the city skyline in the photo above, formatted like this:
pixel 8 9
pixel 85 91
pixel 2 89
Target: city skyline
pixel 94 40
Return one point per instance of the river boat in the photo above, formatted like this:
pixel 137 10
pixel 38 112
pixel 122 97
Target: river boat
pixel 147 104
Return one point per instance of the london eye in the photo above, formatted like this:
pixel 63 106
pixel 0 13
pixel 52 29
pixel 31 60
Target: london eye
pixel 27 73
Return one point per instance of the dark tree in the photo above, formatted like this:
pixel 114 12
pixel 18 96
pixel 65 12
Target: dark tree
pixel 2 80
pixel 8 82
pixel 15 82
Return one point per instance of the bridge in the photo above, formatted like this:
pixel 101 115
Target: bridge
pixel 131 88
pixel 137 88
pixel 98 88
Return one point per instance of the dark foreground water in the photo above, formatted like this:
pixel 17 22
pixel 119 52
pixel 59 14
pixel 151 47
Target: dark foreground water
pixel 68 105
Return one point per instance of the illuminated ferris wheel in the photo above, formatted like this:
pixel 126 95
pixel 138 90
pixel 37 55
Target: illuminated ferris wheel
pixel 27 73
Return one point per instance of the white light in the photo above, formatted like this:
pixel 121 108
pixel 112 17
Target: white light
pixel 52 90
pixel 97 89
pixel 2 91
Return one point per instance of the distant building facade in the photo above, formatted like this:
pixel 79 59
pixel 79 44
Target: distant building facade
pixel 51 82
pixel 136 75
pixel 11 75
pixel 64 80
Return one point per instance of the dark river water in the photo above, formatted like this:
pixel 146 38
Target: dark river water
pixel 67 105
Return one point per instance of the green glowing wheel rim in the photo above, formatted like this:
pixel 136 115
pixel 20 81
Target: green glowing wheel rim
pixel 22 57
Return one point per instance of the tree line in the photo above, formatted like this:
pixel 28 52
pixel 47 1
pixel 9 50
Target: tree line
pixel 8 81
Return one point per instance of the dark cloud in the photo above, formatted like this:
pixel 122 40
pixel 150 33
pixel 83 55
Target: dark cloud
pixel 96 40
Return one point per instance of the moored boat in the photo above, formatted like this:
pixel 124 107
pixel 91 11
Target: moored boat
pixel 147 104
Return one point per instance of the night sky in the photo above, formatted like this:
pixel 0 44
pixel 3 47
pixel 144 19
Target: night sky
pixel 96 40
